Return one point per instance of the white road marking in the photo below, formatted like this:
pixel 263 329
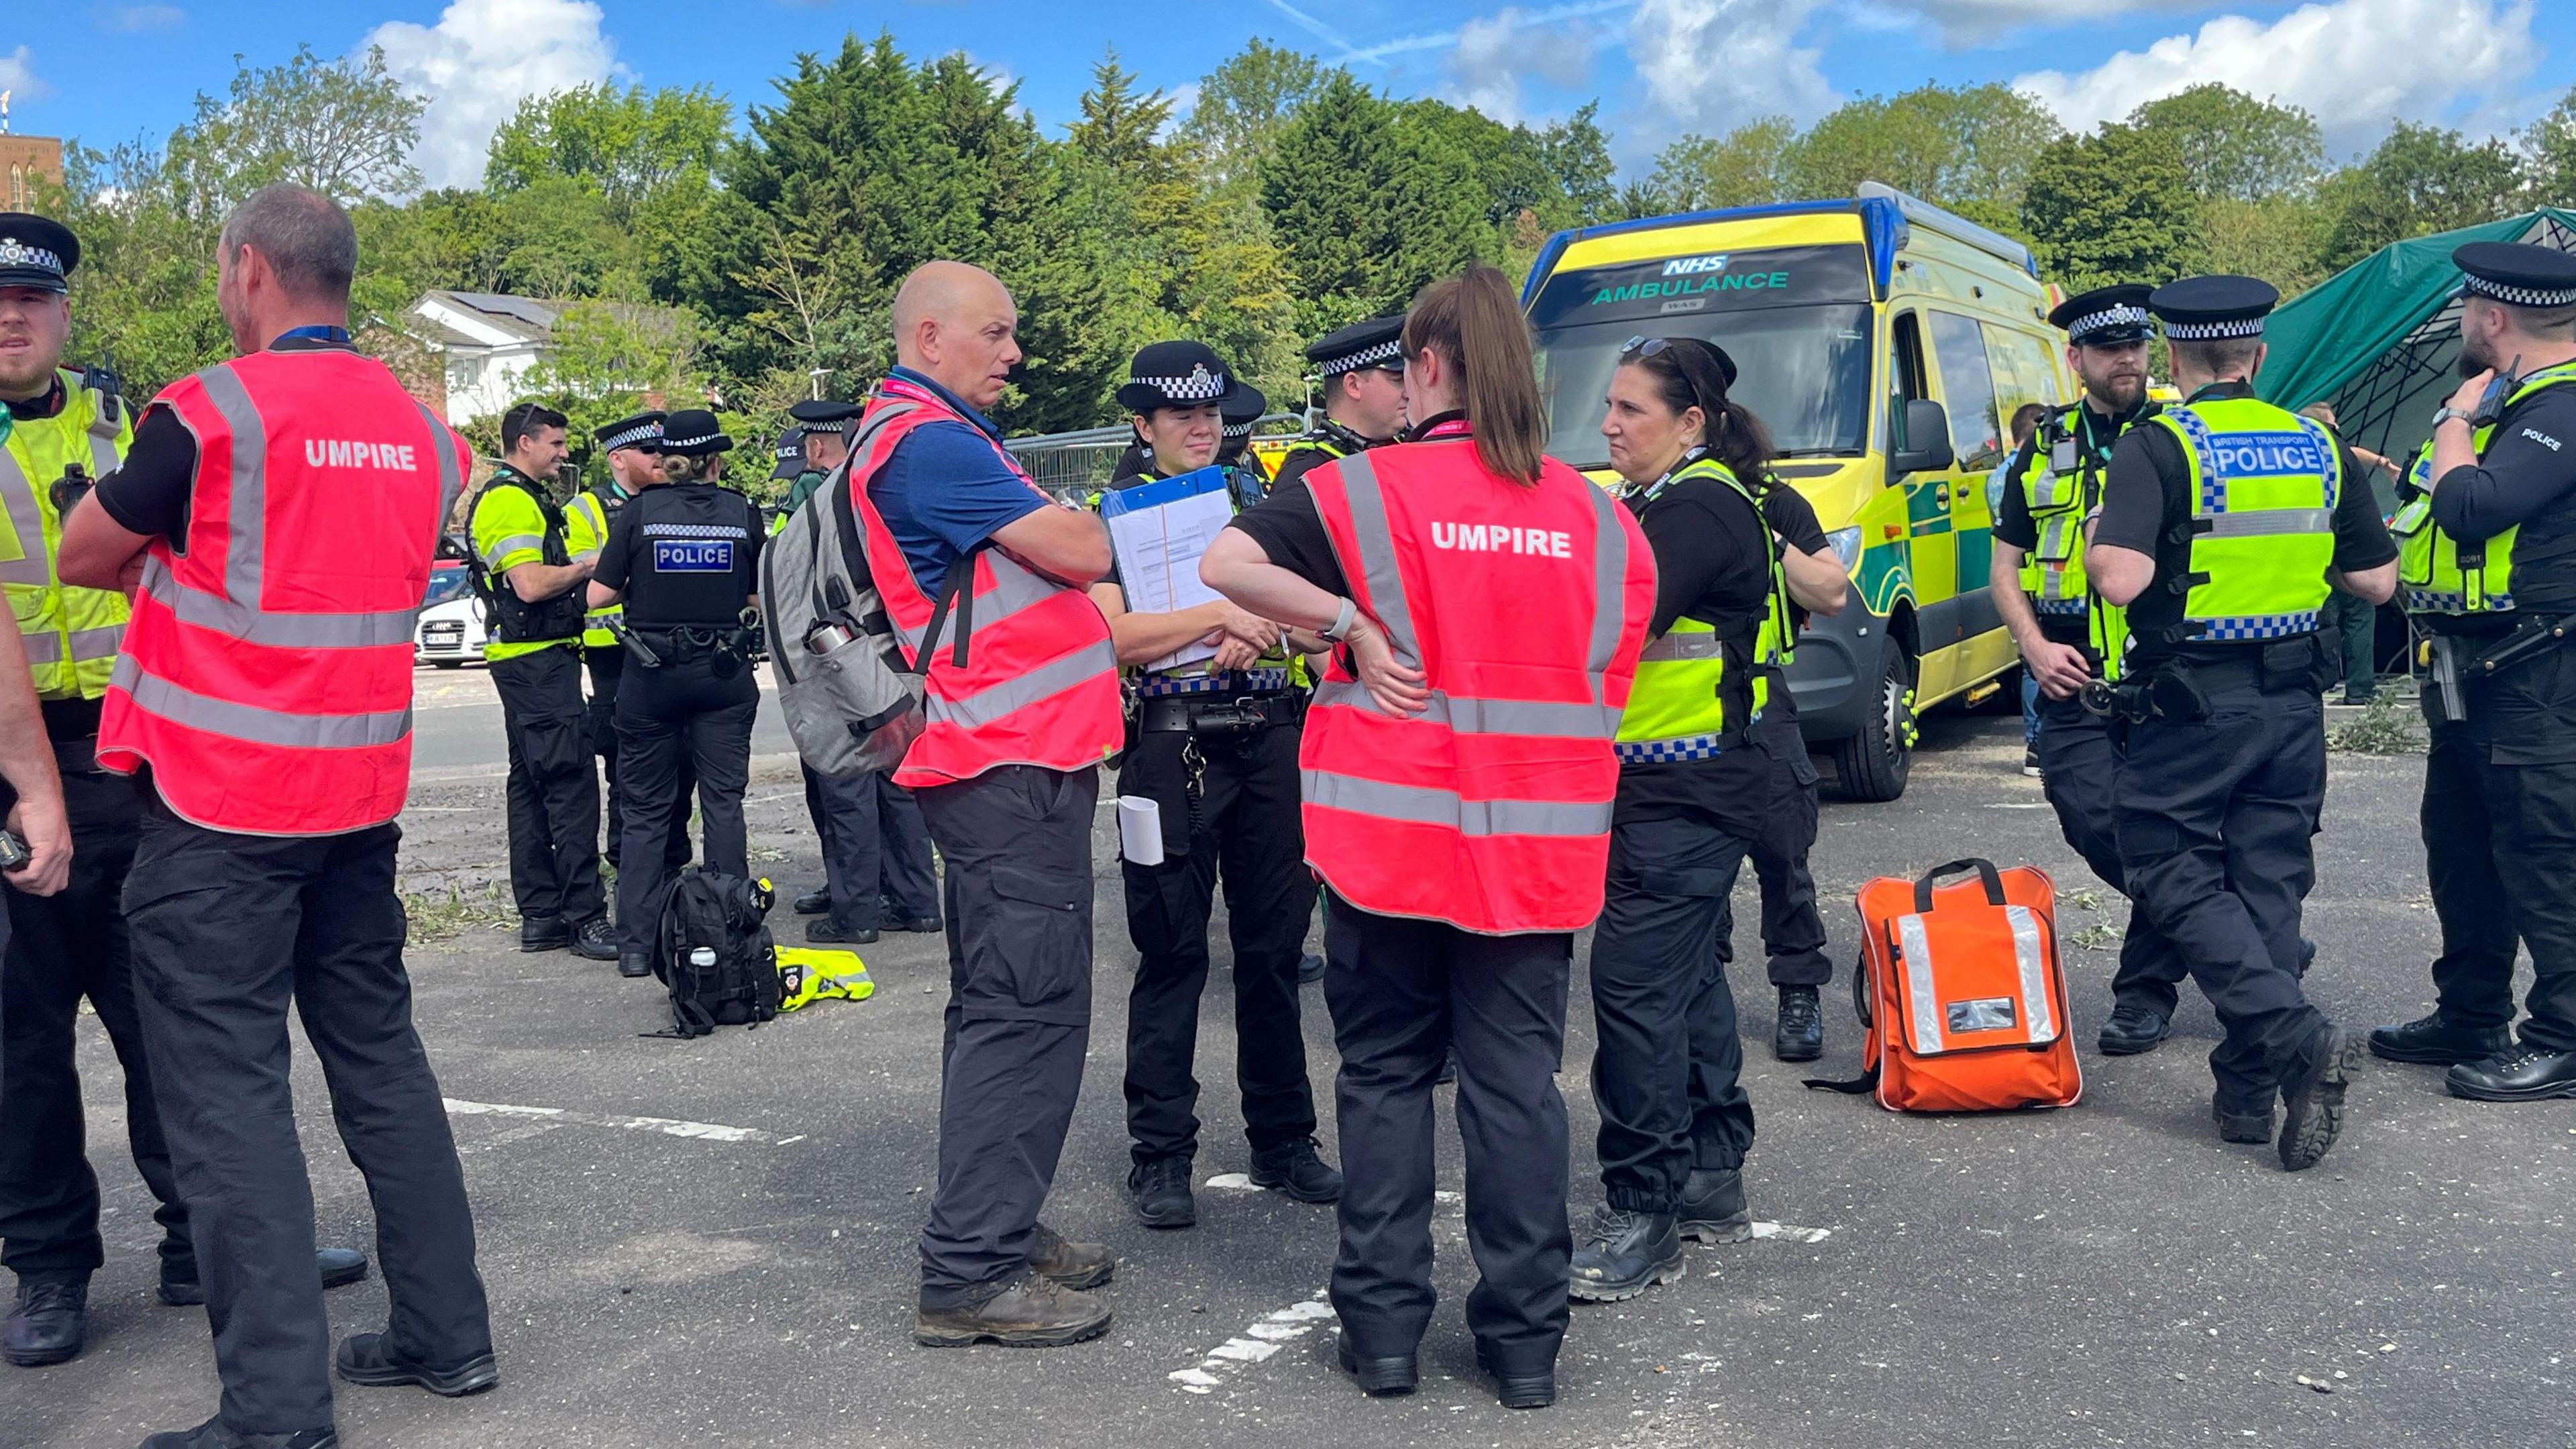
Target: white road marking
pixel 667 1126
pixel 1792 1232
pixel 1257 1343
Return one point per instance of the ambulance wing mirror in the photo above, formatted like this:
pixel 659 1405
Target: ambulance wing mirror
pixel 1923 443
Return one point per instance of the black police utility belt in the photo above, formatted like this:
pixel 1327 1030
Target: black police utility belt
pixel 2178 689
pixel 655 645
pixel 515 620
pixel 1200 714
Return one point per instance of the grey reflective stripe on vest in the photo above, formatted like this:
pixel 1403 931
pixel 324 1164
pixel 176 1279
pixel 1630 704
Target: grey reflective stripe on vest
pixel 1923 1000
pixel 88 645
pixel 983 707
pixel 1377 561
pixel 18 500
pixel 164 700
pixel 451 480
pixel 2032 957
pixel 504 547
pixel 2269 521
pixel 237 612
pixel 1609 591
pixel 1542 719
pixel 1690 644
pixel 1450 810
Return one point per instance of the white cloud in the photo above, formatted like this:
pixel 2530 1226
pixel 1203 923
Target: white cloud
pixel 140 19
pixel 1712 65
pixel 1494 53
pixel 479 61
pixel 18 76
pixel 2354 64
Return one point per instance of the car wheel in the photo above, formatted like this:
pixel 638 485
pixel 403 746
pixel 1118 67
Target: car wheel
pixel 1872 765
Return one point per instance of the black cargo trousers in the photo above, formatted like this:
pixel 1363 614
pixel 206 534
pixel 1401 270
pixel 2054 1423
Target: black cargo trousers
pixel 1017 844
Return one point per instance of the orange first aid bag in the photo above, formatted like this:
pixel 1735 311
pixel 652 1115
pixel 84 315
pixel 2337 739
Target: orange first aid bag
pixel 1962 993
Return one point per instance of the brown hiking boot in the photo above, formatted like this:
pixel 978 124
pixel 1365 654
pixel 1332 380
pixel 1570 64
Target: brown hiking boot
pixel 1029 1311
pixel 1073 1265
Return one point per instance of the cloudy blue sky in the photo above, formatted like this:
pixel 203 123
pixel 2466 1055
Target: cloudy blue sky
pixel 105 71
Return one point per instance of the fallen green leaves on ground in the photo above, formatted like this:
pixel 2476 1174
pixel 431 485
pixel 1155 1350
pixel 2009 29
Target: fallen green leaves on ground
pixel 2388 725
pixel 438 915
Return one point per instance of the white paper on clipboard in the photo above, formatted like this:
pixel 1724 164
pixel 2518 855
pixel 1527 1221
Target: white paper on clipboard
pixel 1159 531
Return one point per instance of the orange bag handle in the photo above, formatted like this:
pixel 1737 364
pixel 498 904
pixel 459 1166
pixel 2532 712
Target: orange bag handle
pixel 1985 870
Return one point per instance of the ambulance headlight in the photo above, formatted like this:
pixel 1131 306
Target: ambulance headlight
pixel 1845 542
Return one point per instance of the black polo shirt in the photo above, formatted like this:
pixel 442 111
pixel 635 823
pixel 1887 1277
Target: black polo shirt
pixel 2147 499
pixel 2527 480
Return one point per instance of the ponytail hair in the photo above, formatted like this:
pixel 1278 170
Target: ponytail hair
pixel 1474 322
pixel 1689 373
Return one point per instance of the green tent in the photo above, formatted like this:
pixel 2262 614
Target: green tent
pixel 2377 341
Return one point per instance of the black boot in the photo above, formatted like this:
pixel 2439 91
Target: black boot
pixel 1379 1378
pixel 2134 1027
pixel 596 940
pixel 213 1435
pixel 365 1358
pixel 543 933
pixel 51 1320
pixel 631 964
pixel 2312 1096
pixel 1533 1388
pixel 339 1268
pixel 1626 1254
pixel 1310 969
pixel 814 902
pixel 1711 1208
pixel 1161 1190
pixel 1800 1036
pixel 2432 1040
pixel 828 932
pixel 2523 1073
pixel 1299 1170
pixel 2241 1121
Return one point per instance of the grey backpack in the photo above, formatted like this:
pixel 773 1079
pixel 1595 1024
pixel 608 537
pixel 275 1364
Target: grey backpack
pixel 852 701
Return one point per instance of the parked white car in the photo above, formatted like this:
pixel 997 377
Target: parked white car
pixel 451 631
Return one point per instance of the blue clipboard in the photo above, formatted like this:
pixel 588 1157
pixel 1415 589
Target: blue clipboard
pixel 1141 496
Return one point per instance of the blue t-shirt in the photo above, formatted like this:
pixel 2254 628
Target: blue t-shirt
pixel 947 489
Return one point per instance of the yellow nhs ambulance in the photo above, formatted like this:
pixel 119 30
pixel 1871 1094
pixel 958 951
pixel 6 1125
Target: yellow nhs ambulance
pixel 1887 343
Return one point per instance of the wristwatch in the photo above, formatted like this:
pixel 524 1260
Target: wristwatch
pixel 2448 412
pixel 1340 629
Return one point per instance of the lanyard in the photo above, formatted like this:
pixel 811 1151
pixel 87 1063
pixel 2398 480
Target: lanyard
pixel 317 332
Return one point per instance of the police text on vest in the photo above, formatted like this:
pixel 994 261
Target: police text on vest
pixel 1502 538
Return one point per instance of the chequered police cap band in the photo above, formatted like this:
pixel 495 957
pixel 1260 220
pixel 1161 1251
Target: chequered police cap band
pixel 678 444
pixel 640 433
pixel 1387 351
pixel 1200 386
pixel 1238 430
pixel 15 253
pixel 2121 316
pixel 2205 331
pixel 2480 286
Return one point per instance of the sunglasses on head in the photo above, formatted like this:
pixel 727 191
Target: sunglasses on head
pixel 1645 346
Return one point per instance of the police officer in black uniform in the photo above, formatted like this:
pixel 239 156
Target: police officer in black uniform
pixel 1362 368
pixel 2499 813
pixel 634 464
pixel 2067 636
pixel 877 868
pixel 684 557
pixel 1213 743
pixel 2223 523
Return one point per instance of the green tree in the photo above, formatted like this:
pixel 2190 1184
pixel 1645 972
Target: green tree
pixel 2421 179
pixel 2277 238
pixel 2236 146
pixel 1244 104
pixel 633 144
pixel 1577 151
pixel 1367 207
pixel 2115 206
pixel 2549 149
pixel 1946 145
pixel 1740 168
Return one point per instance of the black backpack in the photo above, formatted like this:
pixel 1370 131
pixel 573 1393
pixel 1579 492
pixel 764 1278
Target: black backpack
pixel 713 951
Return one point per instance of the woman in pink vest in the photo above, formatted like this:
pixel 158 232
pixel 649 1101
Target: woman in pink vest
pixel 1489 606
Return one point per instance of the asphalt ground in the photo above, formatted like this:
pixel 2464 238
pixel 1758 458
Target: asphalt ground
pixel 740 1269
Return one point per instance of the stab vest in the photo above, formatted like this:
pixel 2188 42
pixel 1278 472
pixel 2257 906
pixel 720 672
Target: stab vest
pixel 267 671
pixel 1704 681
pixel 71 633
pixel 2438 573
pixel 2261 534
pixel 1036 682
pixel 1526 607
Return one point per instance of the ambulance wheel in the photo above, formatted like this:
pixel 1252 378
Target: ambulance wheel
pixel 1873 763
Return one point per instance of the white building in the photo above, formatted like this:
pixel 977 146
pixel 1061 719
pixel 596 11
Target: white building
pixel 486 343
